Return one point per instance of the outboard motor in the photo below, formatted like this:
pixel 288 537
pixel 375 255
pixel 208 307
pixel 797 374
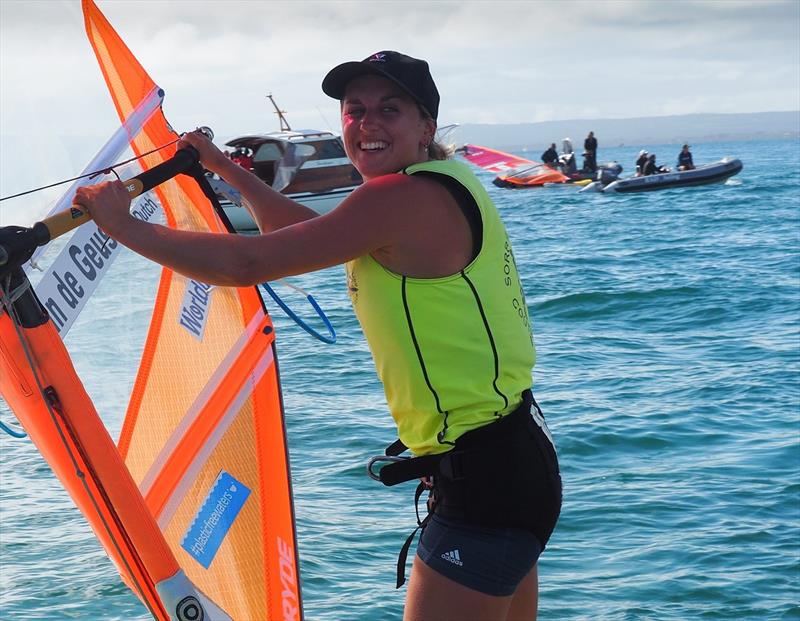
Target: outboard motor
pixel 609 172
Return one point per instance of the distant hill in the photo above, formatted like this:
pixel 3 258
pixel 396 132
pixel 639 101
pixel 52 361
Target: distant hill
pixel 638 131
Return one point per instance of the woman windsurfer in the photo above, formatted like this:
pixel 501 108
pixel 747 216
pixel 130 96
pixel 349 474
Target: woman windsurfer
pixel 434 284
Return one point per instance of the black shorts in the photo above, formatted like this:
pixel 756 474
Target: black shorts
pixel 490 560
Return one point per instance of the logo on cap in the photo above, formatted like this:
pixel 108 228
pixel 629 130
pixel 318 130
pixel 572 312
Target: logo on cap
pixel 378 58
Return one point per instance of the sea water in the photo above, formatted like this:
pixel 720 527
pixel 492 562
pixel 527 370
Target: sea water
pixel 667 327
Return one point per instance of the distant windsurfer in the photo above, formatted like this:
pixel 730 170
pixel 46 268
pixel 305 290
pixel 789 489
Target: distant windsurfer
pixel 435 287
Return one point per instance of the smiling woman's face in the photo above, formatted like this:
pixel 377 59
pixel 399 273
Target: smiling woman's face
pixel 383 128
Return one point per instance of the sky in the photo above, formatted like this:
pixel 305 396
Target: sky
pixel 493 61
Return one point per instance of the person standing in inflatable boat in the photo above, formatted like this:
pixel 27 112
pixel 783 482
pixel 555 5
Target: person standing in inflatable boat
pixel 433 281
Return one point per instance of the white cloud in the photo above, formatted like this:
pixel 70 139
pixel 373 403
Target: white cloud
pixel 494 61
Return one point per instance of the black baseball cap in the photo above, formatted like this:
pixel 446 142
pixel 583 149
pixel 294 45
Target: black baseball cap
pixel 410 74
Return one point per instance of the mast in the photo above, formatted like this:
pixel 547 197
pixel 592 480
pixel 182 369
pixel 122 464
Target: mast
pixel 282 119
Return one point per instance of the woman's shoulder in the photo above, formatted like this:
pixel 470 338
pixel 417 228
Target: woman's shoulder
pixel 393 202
pixel 398 187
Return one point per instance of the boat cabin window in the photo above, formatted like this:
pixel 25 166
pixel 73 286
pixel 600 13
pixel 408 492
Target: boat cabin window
pixel 305 151
pixel 267 152
pixel 271 156
pixel 329 150
pixel 264 161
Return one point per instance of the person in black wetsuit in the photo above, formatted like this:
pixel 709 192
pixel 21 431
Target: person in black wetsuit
pixel 685 159
pixel 550 157
pixel 590 152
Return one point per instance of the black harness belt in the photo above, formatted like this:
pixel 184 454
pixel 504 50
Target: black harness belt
pixel 483 480
pixel 473 453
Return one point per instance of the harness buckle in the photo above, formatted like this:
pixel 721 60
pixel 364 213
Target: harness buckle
pixel 381 458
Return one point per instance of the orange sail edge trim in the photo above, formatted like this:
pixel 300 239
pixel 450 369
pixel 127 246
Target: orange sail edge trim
pixel 69 434
pixel 128 84
pixel 281 559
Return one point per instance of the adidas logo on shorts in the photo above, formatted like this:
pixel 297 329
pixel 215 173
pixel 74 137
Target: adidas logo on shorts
pixel 454 557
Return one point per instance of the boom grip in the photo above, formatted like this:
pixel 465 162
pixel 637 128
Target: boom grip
pixel 17 244
pixel 179 163
pixel 183 160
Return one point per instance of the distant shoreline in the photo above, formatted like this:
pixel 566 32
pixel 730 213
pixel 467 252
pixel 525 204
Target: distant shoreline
pixel 637 131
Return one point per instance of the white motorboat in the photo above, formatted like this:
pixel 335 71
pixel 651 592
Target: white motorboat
pixel 310 166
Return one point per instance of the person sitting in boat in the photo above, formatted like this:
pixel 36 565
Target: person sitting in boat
pixel 640 163
pixel 420 238
pixel 247 162
pixel 244 158
pixel 650 167
pixel 685 159
pixel 550 157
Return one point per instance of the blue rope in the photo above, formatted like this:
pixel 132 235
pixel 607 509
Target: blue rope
pixel 12 432
pixel 330 340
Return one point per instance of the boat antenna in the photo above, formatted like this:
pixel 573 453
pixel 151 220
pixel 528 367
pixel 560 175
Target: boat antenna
pixel 282 119
pixel 330 127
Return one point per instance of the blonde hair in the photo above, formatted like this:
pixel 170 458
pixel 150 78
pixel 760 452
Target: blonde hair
pixel 437 151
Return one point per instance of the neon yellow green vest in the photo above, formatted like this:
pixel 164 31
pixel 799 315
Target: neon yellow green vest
pixel 453 353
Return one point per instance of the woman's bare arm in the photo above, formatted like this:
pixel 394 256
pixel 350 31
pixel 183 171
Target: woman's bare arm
pixel 380 215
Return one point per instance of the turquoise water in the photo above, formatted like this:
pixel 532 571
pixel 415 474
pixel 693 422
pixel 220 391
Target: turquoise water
pixel 668 334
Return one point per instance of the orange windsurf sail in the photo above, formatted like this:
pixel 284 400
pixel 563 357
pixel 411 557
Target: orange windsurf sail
pixel 193 503
pixel 512 171
pixel 206 409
